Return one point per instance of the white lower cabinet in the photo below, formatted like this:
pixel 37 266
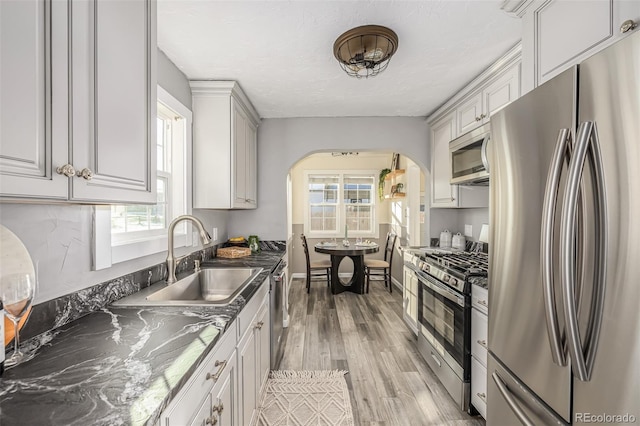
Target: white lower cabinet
pixel 479 333
pixel 410 299
pixel 253 363
pixel 226 387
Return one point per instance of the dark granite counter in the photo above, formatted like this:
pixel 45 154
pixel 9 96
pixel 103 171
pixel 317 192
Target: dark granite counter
pixel 119 366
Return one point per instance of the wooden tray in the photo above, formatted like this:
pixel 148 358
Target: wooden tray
pixel 233 252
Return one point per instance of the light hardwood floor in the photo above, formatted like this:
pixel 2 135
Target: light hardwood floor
pixel 389 382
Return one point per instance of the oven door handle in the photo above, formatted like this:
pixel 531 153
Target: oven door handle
pixel 441 291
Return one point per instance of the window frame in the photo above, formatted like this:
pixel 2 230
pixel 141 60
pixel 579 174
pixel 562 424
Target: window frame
pixel 108 250
pixel 341 205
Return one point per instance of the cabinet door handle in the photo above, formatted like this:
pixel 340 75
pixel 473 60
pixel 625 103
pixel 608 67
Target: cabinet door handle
pixel 66 170
pixel 259 325
pixel 218 408
pixel 216 376
pixel 483 303
pixel 483 116
pixel 85 173
pixel 478 118
pixel 482 396
pixel 482 343
pixel 211 421
pixel 627 26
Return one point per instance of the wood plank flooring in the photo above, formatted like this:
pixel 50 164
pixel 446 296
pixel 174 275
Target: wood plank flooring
pixel 389 382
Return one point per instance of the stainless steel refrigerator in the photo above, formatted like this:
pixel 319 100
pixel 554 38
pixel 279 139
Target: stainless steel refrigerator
pixel 564 250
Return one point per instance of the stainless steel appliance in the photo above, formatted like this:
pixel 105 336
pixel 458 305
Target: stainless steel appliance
pixel 278 282
pixel 444 315
pixel 564 340
pixel 469 157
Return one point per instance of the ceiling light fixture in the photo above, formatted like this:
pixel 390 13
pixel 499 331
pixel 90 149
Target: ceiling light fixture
pixel 365 51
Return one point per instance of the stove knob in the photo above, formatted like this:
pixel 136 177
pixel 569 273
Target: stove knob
pixel 446 278
pixel 426 267
pixel 453 282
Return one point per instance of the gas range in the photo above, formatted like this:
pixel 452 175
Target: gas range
pixel 454 268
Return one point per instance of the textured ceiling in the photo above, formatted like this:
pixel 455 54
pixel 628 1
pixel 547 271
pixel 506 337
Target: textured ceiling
pixel 281 51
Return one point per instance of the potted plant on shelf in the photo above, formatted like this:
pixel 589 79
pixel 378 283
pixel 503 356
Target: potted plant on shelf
pixel 383 174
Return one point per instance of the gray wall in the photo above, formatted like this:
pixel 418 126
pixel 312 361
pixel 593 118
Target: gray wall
pixel 473 217
pixel 59 237
pixel 171 79
pixel 282 142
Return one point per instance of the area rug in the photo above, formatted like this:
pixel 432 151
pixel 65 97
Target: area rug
pixel 301 398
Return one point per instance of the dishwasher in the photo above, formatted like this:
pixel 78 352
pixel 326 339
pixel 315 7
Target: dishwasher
pixel 277 288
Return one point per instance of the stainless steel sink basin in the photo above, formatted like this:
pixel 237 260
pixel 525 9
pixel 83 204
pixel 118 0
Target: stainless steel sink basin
pixel 208 286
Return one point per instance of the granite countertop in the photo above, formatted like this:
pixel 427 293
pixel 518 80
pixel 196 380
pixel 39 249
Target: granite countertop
pixel 119 366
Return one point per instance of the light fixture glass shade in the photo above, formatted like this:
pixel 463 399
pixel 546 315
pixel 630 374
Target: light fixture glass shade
pixel 365 51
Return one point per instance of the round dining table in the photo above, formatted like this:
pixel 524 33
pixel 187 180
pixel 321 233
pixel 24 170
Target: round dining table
pixel 338 253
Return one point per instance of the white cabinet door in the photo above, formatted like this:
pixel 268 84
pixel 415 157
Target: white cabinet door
pixel 410 299
pixel 113 89
pixel 567 32
pixel 470 114
pixel 239 164
pixel 247 376
pixel 263 345
pixel 33 107
pixel 203 416
pixel 501 92
pixel 225 406
pixel 479 387
pixel 78 88
pixel 251 189
pixel 443 194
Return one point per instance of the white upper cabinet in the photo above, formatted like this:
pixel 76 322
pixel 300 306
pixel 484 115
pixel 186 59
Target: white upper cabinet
pixel 224 146
pixel 560 34
pixel 468 109
pixel 443 194
pixel 78 101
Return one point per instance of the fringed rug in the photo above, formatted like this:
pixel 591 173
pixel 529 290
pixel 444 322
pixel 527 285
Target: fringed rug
pixel 301 398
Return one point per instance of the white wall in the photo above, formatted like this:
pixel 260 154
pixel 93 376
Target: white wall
pixel 59 237
pixel 282 142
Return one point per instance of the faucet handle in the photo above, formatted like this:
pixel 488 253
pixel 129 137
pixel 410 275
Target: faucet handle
pixel 196 265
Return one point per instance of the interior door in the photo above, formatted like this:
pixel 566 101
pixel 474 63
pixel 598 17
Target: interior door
pixel 524 137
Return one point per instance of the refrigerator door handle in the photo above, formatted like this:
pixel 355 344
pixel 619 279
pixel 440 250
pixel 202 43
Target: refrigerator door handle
pixel 586 143
pixel 561 153
pixel 510 399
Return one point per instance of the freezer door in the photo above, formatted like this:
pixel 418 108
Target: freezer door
pixel 610 98
pixel 524 137
pixel 510 403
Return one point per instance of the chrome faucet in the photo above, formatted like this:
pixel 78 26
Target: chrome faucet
pixel 173 261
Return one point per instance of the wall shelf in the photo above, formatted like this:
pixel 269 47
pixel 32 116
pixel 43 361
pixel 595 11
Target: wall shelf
pixel 396 195
pixel 393 174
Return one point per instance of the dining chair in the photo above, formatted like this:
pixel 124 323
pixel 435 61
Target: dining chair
pixel 317 268
pixel 379 267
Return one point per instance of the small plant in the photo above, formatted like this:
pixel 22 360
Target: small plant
pixel 383 174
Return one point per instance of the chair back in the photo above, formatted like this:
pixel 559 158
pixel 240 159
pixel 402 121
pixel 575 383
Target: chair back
pixel 389 246
pixel 306 249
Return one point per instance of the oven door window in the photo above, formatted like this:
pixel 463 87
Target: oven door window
pixel 444 318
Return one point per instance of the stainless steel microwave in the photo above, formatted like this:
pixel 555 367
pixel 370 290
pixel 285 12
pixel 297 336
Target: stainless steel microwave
pixel 468 157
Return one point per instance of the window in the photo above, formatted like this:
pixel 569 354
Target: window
pixel 125 232
pixel 339 200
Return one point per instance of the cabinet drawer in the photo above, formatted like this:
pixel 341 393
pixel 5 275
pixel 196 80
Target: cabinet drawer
pixel 190 398
pixel 248 312
pixel 479 387
pixel 480 298
pixel 479 335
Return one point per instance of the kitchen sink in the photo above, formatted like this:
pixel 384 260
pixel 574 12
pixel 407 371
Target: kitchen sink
pixel 205 287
